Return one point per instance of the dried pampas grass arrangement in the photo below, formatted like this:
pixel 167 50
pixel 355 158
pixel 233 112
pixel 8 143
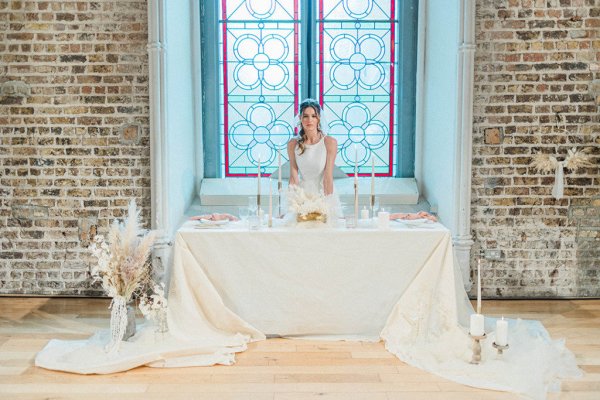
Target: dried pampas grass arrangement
pixel 575 159
pixel 123 257
pixel 544 163
pixel 122 267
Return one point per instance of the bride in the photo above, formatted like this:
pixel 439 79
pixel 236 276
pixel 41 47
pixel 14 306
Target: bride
pixel 312 153
pixel 312 159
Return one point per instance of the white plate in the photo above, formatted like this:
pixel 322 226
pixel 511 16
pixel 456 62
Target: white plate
pixel 415 222
pixel 207 226
pixel 210 222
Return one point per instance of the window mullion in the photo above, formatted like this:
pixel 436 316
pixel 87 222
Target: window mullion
pixel 309 54
pixel 211 111
pixel 407 55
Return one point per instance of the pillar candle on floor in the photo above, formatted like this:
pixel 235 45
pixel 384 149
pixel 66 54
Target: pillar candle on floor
pixel 502 332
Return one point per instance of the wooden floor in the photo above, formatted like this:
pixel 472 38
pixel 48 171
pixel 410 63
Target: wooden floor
pixel 275 369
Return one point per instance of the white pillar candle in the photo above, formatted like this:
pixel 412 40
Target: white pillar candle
pixel 479 286
pixel 476 328
pixel 383 219
pixel 364 213
pixel 502 332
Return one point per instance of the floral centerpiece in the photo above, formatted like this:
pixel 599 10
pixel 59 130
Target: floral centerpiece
pixel 307 206
pixel 123 267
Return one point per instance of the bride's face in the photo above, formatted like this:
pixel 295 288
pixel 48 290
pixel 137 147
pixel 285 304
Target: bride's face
pixel 310 119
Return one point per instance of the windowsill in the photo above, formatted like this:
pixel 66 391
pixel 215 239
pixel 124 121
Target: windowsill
pixel 226 195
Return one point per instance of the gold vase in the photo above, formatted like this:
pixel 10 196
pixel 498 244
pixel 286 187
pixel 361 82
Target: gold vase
pixel 312 216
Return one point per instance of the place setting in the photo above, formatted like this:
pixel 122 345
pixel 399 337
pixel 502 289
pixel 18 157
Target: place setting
pixel 420 223
pixel 213 221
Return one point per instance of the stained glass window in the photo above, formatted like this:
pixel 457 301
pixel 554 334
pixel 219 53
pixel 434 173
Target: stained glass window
pixel 356 80
pixel 260 81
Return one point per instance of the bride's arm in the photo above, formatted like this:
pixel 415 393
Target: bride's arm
pixel 331 146
pixel 291 147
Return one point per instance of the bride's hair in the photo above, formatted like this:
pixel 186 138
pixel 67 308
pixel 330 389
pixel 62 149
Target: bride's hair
pixel 303 106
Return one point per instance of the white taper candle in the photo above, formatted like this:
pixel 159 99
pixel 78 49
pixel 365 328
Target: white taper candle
pixel 270 221
pixel 479 286
pixel 258 189
pixel 279 170
pixel 372 176
pixel 355 163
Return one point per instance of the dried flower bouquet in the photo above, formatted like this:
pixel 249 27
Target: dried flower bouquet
pixel 123 267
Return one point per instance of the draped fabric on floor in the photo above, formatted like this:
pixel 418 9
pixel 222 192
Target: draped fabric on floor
pixel 230 286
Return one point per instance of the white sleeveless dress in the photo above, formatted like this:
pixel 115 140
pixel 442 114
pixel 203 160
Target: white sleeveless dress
pixel 311 166
pixel 311 169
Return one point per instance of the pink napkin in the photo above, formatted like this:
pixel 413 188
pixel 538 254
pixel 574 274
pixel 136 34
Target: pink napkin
pixel 215 217
pixel 409 216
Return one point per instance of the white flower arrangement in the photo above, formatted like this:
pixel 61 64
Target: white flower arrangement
pixel 302 203
pixel 153 306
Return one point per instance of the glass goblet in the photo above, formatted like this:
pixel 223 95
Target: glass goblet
pixel 252 206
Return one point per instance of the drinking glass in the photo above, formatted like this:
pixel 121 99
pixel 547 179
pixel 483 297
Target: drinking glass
pixel 243 214
pixel 348 211
pixel 252 206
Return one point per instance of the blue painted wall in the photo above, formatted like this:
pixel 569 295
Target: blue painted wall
pixel 181 129
pixel 440 107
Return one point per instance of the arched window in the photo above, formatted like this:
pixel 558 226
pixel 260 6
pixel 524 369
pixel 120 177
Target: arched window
pixel 260 58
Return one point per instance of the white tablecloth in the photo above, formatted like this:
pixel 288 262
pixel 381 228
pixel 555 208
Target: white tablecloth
pixel 341 283
pixel 230 286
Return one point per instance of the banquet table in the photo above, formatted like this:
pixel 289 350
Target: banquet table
pixel 328 282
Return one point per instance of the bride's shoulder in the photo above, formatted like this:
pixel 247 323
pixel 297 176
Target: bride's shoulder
pixel 292 143
pixel 330 141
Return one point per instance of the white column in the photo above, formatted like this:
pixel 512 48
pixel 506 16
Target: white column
pixel 464 151
pixel 420 94
pixel 158 140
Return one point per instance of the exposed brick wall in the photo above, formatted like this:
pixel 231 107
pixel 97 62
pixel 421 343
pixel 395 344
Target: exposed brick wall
pixel 535 62
pixel 76 150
